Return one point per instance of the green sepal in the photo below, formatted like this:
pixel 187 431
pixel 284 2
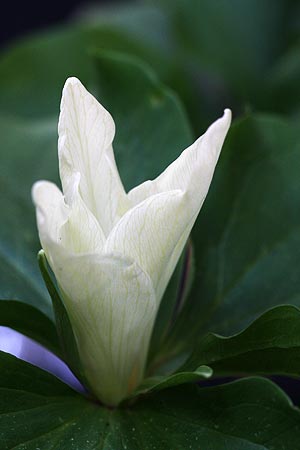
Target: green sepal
pixel 64 328
pixel 171 304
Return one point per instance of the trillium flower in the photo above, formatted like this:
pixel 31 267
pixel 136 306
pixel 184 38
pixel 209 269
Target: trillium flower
pixel 113 252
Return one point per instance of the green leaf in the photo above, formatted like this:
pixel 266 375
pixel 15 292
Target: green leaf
pixel 158 383
pixel 247 237
pixel 54 56
pixel 145 24
pixel 39 411
pixel 270 345
pixel 283 88
pixel 227 48
pixel 29 149
pixel 30 322
pixel 64 328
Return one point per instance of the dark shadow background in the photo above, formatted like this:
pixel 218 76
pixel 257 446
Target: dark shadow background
pixel 17 19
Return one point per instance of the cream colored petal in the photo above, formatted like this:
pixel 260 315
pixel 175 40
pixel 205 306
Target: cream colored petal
pixel 71 227
pixel 81 233
pixel 112 201
pixel 155 231
pixel 86 131
pixel 110 299
pixel 51 211
pixel 111 303
pixel 193 170
pixel 150 232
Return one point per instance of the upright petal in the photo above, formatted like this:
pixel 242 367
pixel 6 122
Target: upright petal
pixel 192 171
pixel 81 233
pixel 155 231
pixel 86 131
pixel 150 232
pixel 111 304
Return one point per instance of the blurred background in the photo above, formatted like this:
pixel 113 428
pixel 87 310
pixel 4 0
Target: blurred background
pixel 244 54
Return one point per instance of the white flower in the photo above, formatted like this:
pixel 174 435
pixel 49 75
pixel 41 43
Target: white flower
pixel 113 253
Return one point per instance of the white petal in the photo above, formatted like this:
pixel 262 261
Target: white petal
pixel 62 227
pixel 111 303
pixel 112 201
pixel 51 210
pixel 110 299
pixel 81 233
pixel 193 170
pixel 86 131
pixel 150 232
pixel 155 231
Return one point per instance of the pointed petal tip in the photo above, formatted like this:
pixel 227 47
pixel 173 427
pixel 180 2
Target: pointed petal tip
pixel 35 190
pixel 220 127
pixel 70 85
pixel 227 114
pixel 43 191
pixel 72 81
pixel 223 123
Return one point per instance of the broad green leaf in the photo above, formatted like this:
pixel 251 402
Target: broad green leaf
pixel 33 72
pixel 237 59
pixel 247 237
pixel 283 88
pixel 158 383
pixel 271 345
pixel 28 151
pixel 46 61
pixel 40 412
pixel 228 49
pixel 143 23
pixel 30 322
pixel 245 64
pixel 150 123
